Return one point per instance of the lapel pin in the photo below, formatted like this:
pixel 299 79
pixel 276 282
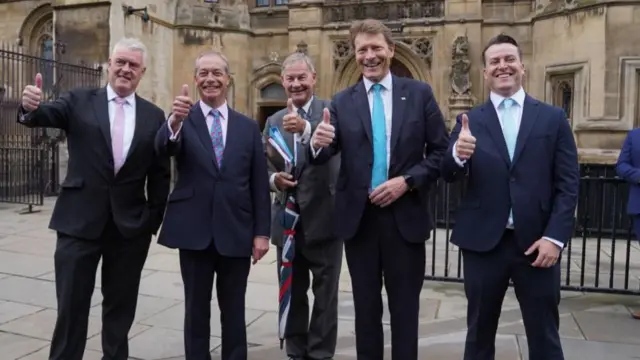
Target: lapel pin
pixel 403 98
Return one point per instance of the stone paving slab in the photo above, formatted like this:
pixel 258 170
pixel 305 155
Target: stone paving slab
pixel 592 326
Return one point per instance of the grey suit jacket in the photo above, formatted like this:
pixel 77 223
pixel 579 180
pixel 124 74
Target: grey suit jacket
pixel 315 192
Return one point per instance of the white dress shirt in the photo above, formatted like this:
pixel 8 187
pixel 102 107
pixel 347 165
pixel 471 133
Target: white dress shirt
pixel 387 100
pixel 496 100
pixel 303 139
pixel 206 111
pixel 129 117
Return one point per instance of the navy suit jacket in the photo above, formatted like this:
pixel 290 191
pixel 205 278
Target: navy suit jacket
pixel 228 205
pixel 540 184
pixel 418 141
pixel 628 168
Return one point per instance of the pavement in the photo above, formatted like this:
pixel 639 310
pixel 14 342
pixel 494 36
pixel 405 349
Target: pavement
pixel 593 326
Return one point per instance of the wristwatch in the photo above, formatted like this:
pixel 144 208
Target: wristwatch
pixel 410 181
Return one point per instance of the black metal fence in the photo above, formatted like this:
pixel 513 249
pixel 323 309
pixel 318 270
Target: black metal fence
pixel 603 255
pixel 29 158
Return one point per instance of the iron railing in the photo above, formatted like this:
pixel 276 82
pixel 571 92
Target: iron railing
pixel 603 256
pixel 29 158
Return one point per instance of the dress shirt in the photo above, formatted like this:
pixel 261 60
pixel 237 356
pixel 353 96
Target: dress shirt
pixel 303 139
pixel 206 111
pixel 496 100
pixel 129 117
pixel 387 99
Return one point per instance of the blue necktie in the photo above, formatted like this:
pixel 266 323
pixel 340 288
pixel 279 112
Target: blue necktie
pixel 510 132
pixel 379 171
pixel 216 136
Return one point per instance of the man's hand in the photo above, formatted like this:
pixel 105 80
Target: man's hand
pixel 32 95
pixel 325 132
pixel 389 191
pixel 466 144
pixel 284 181
pixel 181 107
pixel 292 122
pixel 260 248
pixel 548 253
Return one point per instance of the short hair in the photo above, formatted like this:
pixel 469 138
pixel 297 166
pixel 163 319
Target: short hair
pixel 297 57
pixel 213 53
pixel 371 27
pixel 500 39
pixel 132 44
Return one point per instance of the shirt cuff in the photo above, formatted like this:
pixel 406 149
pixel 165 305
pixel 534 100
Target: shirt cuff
pixel 455 156
pixel 556 242
pixel 172 136
pixel 314 152
pixel 306 133
pixel 272 183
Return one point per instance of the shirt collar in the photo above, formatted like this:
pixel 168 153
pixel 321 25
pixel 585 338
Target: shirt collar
pixel 305 107
pixel 386 82
pixel 223 109
pixel 518 97
pixel 111 94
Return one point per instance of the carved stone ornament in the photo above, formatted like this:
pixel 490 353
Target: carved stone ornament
pixel 421 47
pixel 460 66
pixel 302 47
pixel 341 53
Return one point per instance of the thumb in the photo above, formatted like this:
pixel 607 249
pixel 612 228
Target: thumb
pixel 39 81
pixel 532 248
pixel 290 105
pixel 185 90
pixel 326 116
pixel 465 123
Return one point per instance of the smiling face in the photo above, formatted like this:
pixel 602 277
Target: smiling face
pixel 373 55
pixel 125 69
pixel 503 69
pixel 212 79
pixel 298 81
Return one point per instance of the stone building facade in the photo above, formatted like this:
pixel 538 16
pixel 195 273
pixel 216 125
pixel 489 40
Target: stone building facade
pixel 582 55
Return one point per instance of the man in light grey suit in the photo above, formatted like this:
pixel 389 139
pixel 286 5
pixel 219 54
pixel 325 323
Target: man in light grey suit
pixel 317 251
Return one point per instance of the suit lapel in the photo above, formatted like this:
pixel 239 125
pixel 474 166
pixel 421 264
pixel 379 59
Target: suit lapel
pixel 234 136
pixel 361 103
pixel 200 125
pixel 529 115
pixel 397 118
pixel 492 124
pixel 101 110
pixel 139 124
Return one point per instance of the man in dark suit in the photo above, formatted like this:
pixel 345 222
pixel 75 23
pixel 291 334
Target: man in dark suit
pixel 218 214
pixel 628 168
pixel 316 248
pixel 392 137
pixel 103 210
pixel 520 159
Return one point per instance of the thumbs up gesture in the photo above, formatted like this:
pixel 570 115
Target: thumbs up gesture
pixel 32 94
pixel 292 122
pixel 466 144
pixel 181 106
pixel 325 132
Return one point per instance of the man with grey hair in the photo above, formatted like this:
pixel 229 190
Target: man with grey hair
pixel 317 251
pixel 112 199
pixel 218 213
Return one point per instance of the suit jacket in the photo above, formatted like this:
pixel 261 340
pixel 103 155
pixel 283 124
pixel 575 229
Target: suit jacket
pixel 419 139
pixel 316 187
pixel 227 205
pixel 628 168
pixel 540 184
pixel 91 194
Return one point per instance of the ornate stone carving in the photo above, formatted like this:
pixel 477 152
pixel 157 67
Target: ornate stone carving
pixel 348 10
pixel 302 47
pixel 420 46
pixel 460 66
pixel 341 52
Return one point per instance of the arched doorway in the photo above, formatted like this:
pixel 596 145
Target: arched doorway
pixel 272 99
pixel 398 69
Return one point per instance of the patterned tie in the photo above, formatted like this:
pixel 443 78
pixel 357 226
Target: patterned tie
pixel 379 171
pixel 117 135
pixel 510 130
pixel 216 136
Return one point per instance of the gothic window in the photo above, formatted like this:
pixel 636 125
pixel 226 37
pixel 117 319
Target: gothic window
pixel 563 93
pixel 42 46
pixel 282 2
pixel 273 91
pixel 262 3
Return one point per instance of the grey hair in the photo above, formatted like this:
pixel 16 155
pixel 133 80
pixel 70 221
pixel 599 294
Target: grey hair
pixel 297 57
pixel 132 44
pixel 213 53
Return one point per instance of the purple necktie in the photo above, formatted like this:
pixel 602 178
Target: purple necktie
pixel 216 136
pixel 117 135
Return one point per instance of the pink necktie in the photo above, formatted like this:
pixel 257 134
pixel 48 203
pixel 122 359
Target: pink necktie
pixel 117 134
